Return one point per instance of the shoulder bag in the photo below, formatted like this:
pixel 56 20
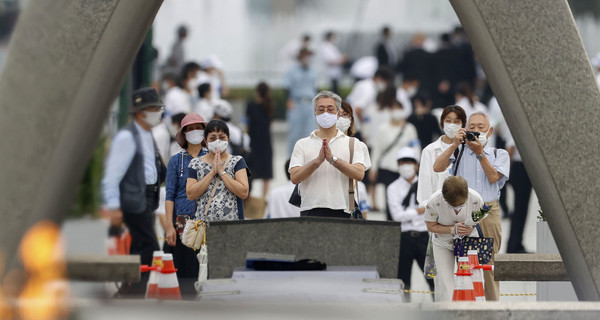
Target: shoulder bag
pixel 354 210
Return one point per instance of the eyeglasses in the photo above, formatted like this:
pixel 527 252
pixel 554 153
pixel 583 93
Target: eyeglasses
pixel 345 115
pixel 330 109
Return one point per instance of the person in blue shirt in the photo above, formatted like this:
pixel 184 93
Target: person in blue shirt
pixel 300 84
pixel 178 208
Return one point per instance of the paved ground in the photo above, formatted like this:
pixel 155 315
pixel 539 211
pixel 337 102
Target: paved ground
pixel 87 236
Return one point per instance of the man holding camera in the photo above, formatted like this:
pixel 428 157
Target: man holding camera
pixel 486 170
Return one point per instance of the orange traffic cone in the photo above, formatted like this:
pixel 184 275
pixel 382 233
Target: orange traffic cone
pixel 152 288
pixel 477 275
pixel 463 284
pixel 168 286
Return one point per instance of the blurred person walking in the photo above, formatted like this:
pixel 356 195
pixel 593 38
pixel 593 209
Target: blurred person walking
pixel 324 186
pixel 428 127
pixel 417 63
pixel 334 60
pixel 404 208
pixel 300 86
pixel 178 208
pixel 205 105
pixel 444 61
pixel 385 51
pixel 133 174
pixel 177 57
pixel 259 114
pixel 391 136
pixel 218 181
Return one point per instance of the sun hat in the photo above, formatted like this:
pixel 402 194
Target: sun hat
pixel 190 119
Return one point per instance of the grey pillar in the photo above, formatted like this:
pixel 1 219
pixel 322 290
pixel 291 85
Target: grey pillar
pixel 536 64
pixel 66 62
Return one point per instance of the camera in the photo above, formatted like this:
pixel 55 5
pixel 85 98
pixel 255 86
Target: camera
pixel 471 135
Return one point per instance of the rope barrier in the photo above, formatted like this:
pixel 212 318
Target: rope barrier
pixel 502 294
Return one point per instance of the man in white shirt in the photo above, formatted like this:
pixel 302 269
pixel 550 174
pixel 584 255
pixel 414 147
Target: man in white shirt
pixel 334 60
pixel 401 199
pixel 278 205
pixel 324 187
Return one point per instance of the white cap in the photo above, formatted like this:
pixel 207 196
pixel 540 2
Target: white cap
pixel 364 68
pixel 211 61
pixel 223 108
pixel 407 152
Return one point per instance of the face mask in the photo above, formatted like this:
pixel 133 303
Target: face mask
pixel 379 86
pixel 217 145
pixel 397 114
pixel 194 136
pixel 326 120
pixel 407 171
pixel 343 124
pixel 411 91
pixel 450 129
pixel 483 138
pixel 152 118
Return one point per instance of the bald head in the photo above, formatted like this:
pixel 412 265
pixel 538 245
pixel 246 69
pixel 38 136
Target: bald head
pixel 455 190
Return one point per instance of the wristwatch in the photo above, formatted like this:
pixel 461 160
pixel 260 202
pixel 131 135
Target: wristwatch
pixel 222 173
pixel 333 160
pixel 479 156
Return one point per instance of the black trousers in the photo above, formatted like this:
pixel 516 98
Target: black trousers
pixel 413 246
pixel 324 212
pixel 522 187
pixel 143 240
pixel 186 263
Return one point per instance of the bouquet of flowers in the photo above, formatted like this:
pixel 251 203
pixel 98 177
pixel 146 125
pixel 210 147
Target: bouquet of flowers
pixel 478 215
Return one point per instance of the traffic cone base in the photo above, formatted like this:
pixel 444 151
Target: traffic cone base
pixel 463 288
pixel 477 277
pixel 168 286
pixel 152 288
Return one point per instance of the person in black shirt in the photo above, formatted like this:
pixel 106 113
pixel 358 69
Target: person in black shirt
pixel 428 128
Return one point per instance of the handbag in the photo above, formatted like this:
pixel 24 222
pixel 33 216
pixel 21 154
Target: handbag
pixel 194 232
pixel 354 210
pixel 295 198
pixel 484 246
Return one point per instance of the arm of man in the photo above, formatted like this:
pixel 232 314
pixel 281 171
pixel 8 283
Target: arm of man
pixel 299 173
pixel 490 171
pixel 119 159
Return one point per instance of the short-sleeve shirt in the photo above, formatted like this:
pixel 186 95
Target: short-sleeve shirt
pixel 327 187
pixel 470 169
pixel 438 210
pixel 225 204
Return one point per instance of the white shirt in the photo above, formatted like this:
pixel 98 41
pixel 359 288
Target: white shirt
pixel 385 136
pixel 469 109
pixel 205 108
pixel 327 187
pixel 214 80
pixel 163 141
pixel 278 205
pixel 363 94
pixel 438 210
pixel 332 57
pixel 408 217
pixel 177 101
pixel 122 151
pixel 429 180
pixel 403 97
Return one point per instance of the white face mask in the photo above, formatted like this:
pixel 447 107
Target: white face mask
pixel 220 145
pixel 343 124
pixel 407 171
pixel 397 114
pixel 450 129
pixel 380 86
pixel 152 118
pixel 411 91
pixel 483 138
pixel 194 136
pixel 326 120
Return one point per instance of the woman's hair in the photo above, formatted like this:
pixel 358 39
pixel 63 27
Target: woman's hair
pixel 263 91
pixel 216 126
pixel 387 98
pixel 203 89
pixel 455 190
pixel 346 107
pixel 460 113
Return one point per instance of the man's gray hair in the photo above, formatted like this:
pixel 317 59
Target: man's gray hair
pixel 483 114
pixel 327 94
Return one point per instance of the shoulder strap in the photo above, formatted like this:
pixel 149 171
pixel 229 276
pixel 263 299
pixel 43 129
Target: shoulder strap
pixel 390 146
pixel 350 180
